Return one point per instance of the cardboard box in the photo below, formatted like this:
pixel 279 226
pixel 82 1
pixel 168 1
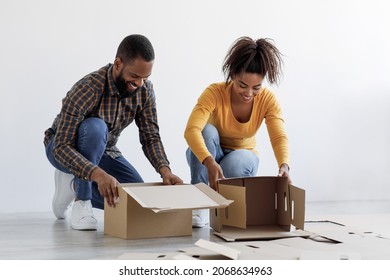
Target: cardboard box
pixel 263 208
pixel 149 210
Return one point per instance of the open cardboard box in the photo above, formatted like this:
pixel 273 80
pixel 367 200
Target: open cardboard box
pixel 149 210
pixel 263 208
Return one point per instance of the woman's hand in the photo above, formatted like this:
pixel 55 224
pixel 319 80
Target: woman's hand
pixel 214 171
pixel 284 171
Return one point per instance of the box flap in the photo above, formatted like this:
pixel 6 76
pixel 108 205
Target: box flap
pixel 219 199
pixel 283 205
pixel 235 214
pixel 297 198
pixel 170 197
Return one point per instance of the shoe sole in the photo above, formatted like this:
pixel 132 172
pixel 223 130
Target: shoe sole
pixel 199 226
pixel 84 229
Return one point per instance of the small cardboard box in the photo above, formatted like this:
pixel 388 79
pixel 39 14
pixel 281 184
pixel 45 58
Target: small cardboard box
pixel 149 210
pixel 263 208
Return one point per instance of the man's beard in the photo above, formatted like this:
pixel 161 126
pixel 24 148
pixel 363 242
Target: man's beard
pixel 122 86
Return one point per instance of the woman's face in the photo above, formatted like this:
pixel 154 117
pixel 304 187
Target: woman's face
pixel 246 86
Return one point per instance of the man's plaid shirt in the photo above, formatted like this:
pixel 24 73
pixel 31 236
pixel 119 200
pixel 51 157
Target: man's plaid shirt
pixel 96 95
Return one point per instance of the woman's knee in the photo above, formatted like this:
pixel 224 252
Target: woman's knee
pixel 210 132
pixel 240 163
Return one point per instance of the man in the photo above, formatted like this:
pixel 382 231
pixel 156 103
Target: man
pixel 81 143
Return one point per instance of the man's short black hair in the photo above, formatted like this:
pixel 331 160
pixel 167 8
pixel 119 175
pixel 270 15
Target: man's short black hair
pixel 134 46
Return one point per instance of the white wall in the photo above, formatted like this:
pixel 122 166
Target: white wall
pixel 335 91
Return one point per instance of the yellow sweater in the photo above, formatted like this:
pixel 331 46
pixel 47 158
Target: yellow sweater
pixel 214 107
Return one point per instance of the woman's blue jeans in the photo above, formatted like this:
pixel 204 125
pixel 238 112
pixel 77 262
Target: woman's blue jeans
pixel 234 163
pixel 91 143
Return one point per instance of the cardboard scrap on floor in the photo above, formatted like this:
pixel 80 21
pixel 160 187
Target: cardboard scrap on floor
pixel 369 245
pixel 328 241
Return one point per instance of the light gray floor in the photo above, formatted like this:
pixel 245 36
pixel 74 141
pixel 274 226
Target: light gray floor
pixel 41 236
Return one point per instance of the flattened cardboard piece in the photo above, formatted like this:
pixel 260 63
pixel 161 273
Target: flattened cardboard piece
pixel 231 253
pixel 184 257
pixel 147 256
pixel 255 250
pixel 355 237
pixel 199 253
pixel 264 250
pixel 231 234
pixel 334 250
pixel 328 255
pixel 129 220
pixel 368 244
pixel 347 234
pixel 312 250
pixel 304 244
pixel 133 218
pixel 264 208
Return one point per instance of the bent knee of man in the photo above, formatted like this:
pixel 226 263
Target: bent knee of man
pixel 94 126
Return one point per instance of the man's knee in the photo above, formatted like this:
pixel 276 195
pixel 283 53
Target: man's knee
pixel 94 127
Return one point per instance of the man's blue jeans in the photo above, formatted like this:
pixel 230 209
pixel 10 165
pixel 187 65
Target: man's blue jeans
pixel 91 143
pixel 234 163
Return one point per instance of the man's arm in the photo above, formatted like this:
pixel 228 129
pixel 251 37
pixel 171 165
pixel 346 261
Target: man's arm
pixel 150 139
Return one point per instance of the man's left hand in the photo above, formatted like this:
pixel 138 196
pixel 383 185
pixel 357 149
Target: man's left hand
pixel 168 177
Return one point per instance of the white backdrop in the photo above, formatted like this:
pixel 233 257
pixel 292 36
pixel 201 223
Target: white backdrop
pixel 334 94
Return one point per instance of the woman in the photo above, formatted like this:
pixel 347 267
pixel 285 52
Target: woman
pixel 221 130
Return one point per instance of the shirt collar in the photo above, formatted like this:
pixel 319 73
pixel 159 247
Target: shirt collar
pixel 112 89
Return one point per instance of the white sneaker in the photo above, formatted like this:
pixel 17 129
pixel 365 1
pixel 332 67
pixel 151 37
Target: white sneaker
pixel 200 218
pixel 64 193
pixel 82 217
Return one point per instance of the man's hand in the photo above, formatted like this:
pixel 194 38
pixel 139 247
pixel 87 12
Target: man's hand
pixel 284 172
pixel 107 185
pixel 214 171
pixel 168 177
